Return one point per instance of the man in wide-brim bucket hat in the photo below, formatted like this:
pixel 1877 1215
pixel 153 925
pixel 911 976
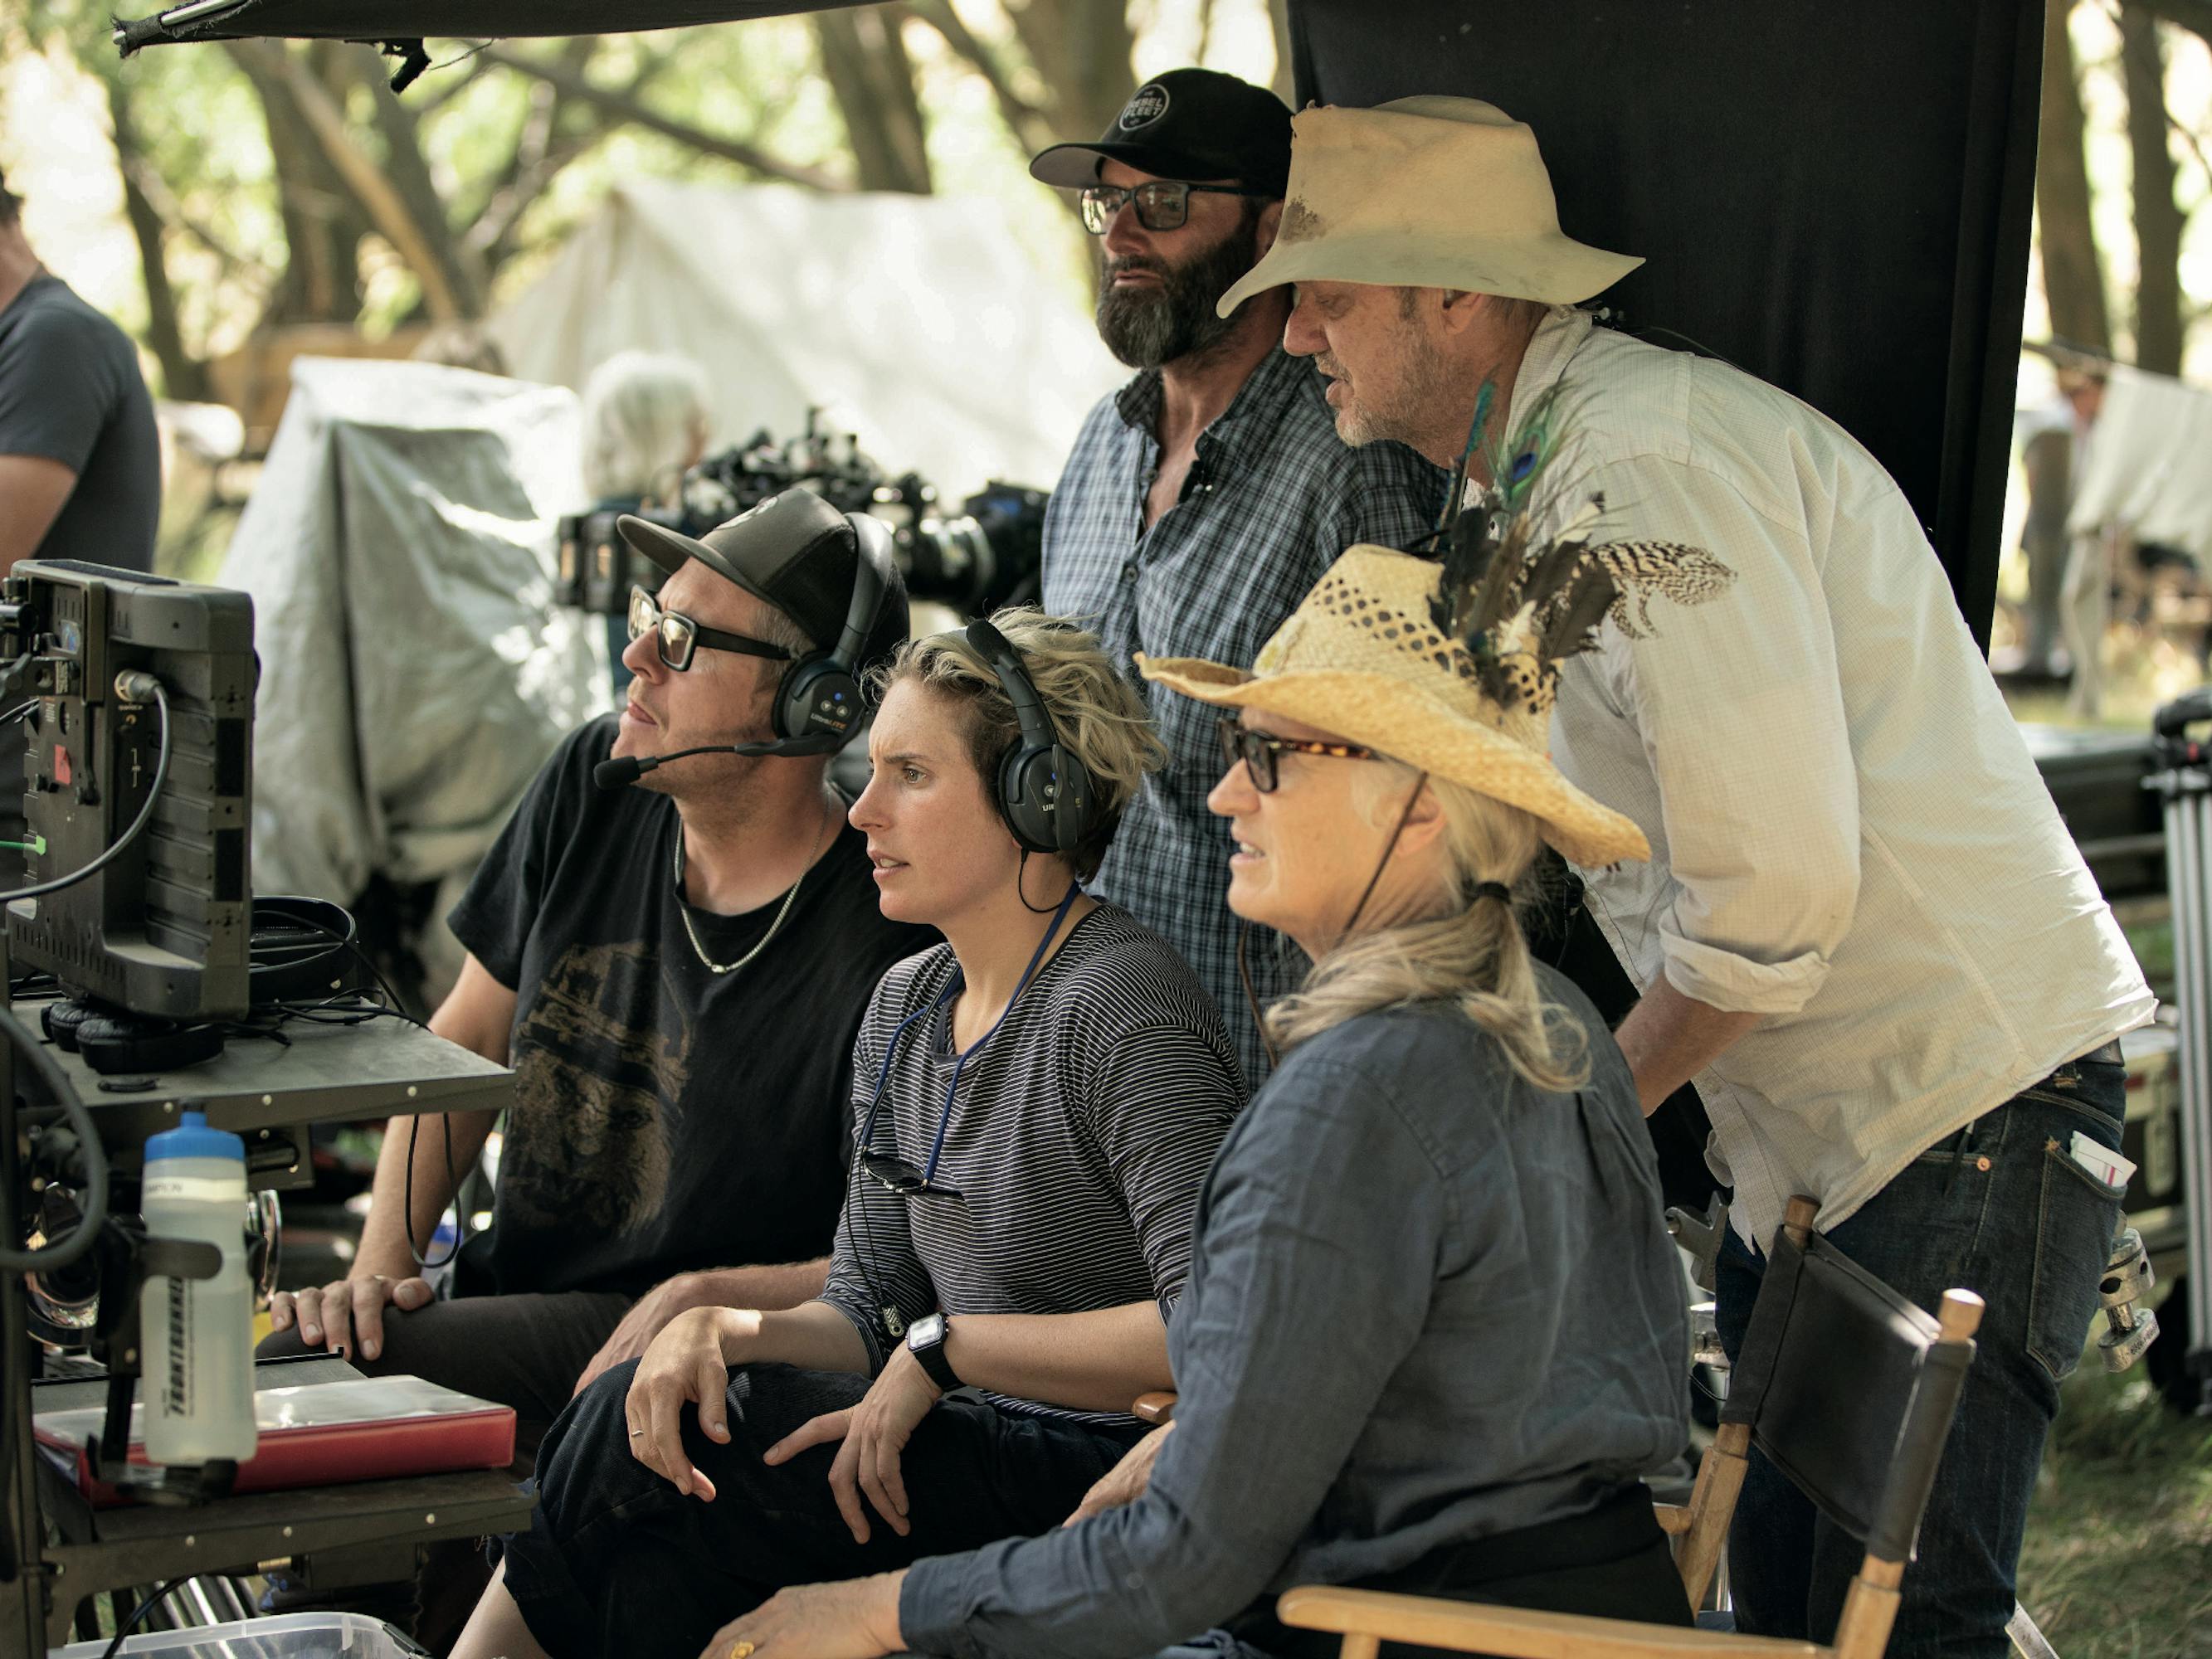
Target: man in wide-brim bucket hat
pixel 1865 933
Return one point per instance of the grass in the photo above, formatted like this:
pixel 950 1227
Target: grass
pixel 2117 1562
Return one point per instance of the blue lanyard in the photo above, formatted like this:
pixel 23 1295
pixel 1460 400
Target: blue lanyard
pixel 959 981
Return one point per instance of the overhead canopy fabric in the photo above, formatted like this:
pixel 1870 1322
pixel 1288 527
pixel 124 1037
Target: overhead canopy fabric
pixel 919 324
pixel 410 20
pixel 1835 198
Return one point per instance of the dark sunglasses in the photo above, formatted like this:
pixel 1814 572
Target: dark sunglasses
pixel 893 1173
pixel 1259 751
pixel 1162 204
pixel 678 638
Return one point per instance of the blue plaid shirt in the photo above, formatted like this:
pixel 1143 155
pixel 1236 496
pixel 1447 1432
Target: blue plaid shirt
pixel 1271 500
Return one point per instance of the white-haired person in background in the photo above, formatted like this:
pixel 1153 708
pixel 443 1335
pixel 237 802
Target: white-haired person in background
pixel 645 423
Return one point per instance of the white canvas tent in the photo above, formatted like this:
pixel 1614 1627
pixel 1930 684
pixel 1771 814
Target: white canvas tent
pixel 920 323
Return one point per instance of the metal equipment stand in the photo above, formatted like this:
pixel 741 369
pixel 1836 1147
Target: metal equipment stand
pixel 2185 785
pixel 55 1550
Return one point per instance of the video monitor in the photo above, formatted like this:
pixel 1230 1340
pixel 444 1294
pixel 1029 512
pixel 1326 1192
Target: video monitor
pixel 118 679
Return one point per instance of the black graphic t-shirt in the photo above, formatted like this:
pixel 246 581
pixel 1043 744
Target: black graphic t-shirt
pixel 665 1118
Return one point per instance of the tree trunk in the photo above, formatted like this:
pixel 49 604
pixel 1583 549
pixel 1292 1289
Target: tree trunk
pixel 2157 222
pixel 866 64
pixel 182 376
pixel 2073 280
pixel 322 231
pixel 2195 16
pixel 1278 15
pixel 1081 48
pixel 410 174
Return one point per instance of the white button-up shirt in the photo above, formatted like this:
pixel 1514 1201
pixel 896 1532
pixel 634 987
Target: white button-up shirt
pixel 1848 836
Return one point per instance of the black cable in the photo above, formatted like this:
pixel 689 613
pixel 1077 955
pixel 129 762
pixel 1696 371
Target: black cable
pixel 115 848
pixel 144 1607
pixel 422 1263
pixel 1021 876
pixel 43 1065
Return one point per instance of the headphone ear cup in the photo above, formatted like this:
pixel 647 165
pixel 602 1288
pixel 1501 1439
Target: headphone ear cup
pixel 816 697
pixel 112 1044
pixel 1047 798
pixel 1023 774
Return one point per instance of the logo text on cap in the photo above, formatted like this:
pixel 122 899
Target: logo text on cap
pixel 1146 106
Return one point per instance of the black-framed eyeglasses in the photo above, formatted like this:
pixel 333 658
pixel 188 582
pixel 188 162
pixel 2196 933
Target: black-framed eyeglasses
pixel 678 638
pixel 1259 750
pixel 1161 203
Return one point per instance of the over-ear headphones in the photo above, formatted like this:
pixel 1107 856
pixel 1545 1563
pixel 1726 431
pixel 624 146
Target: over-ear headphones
pixel 1045 794
pixel 818 699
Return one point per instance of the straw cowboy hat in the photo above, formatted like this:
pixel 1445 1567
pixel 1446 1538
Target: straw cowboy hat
pixel 1365 656
pixel 1426 193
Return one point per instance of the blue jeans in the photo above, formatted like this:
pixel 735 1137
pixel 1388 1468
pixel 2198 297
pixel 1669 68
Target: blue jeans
pixel 2000 1208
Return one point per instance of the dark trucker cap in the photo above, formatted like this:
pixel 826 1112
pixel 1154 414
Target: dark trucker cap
pixel 795 551
pixel 1190 123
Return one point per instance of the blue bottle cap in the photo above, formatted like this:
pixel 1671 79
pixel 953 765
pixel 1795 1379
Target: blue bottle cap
pixel 191 1138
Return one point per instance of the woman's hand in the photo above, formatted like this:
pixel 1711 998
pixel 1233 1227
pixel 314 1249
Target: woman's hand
pixel 875 1432
pixel 1125 1483
pixel 857 1619
pixel 686 1365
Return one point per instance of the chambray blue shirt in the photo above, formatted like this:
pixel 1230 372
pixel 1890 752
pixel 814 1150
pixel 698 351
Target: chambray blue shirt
pixel 1272 499
pixel 1430 1303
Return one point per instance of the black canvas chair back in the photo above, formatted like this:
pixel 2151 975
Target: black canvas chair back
pixel 1847 1388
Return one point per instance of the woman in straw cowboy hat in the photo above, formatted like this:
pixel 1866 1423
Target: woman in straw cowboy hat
pixel 1435 1329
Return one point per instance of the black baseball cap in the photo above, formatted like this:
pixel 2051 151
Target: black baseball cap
pixel 1187 124
pixel 795 551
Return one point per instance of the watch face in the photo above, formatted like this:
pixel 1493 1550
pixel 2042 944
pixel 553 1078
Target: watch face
pixel 926 1332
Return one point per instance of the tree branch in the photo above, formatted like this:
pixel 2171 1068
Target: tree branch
pixel 631 110
pixel 1028 122
pixel 386 210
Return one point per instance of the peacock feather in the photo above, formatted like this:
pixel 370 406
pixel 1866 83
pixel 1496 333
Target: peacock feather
pixel 1520 607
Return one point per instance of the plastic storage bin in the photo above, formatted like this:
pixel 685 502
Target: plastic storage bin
pixel 290 1636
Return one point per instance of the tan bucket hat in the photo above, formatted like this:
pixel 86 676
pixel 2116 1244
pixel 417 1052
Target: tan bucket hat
pixel 1363 657
pixel 1426 193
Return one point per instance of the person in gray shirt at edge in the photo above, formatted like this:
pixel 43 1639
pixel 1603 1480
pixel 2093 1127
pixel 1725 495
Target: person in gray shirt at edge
pixel 1435 1330
pixel 1206 496
pixel 80 455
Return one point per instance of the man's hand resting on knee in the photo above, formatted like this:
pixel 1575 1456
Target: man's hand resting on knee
pixel 348 1314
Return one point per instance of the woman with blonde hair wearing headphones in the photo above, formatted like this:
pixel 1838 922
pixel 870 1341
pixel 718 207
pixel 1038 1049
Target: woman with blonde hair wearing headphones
pixel 1036 1101
pixel 1435 1330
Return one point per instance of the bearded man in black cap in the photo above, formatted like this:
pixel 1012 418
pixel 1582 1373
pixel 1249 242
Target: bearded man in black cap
pixel 675 964
pixel 1205 498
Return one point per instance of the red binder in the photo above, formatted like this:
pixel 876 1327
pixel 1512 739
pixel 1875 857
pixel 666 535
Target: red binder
pixel 322 1434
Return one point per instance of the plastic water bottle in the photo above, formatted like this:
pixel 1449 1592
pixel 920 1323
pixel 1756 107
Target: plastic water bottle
pixel 197 1333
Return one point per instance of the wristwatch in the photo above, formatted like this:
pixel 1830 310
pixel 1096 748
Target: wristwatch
pixel 925 1340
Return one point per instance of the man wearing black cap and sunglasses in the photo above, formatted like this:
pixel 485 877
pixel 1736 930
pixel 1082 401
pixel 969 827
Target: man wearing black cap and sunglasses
pixel 1205 498
pixel 672 944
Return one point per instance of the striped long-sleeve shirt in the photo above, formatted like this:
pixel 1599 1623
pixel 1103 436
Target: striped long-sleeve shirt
pixel 1079 1139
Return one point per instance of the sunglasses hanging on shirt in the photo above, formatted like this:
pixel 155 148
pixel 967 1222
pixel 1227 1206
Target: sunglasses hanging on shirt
pixel 887 1168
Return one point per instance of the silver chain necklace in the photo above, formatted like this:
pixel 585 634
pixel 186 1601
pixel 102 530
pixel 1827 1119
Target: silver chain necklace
pixel 683 907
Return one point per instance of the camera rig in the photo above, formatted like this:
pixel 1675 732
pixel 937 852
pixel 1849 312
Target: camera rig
pixel 986 554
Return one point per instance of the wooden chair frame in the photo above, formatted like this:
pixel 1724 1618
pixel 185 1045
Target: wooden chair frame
pixel 1367 1619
